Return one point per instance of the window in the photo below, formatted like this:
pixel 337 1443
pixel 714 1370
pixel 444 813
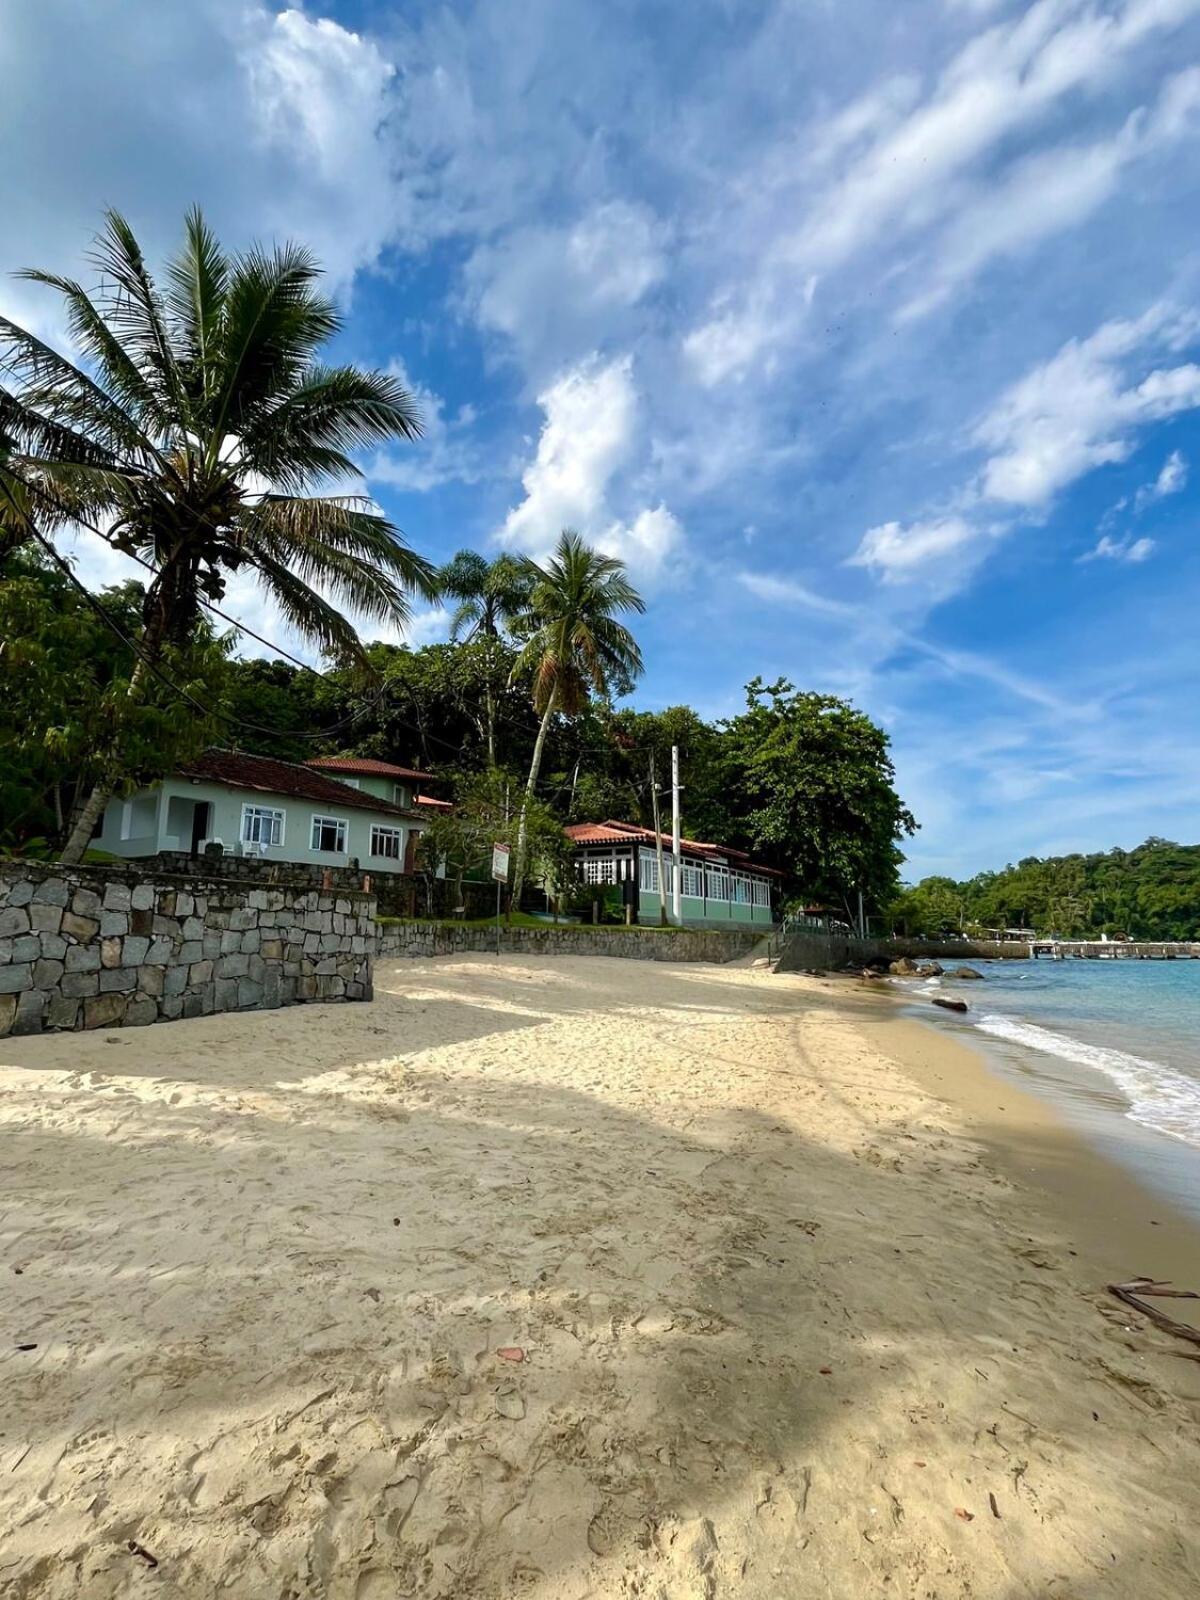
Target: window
pixel 400 794
pixel 762 891
pixel 649 872
pixel 741 888
pixel 596 870
pixel 718 883
pixel 262 825
pixel 693 882
pixel 329 833
pixel 388 842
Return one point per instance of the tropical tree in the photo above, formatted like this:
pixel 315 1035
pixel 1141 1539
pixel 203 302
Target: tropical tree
pixel 492 596
pixel 208 437
pixel 573 647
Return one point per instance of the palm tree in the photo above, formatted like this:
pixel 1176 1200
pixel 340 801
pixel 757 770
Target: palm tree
pixel 573 646
pixel 207 436
pixel 491 596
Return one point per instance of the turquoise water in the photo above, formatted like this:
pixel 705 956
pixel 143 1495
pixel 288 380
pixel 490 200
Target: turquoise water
pixel 1118 1038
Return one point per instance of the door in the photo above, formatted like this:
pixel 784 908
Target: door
pixel 200 824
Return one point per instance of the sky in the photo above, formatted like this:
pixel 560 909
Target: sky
pixel 868 335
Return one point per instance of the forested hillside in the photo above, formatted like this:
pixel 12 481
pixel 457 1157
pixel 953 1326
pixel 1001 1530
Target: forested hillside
pixel 1152 892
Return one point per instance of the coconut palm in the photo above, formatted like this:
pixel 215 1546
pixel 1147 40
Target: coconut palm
pixel 573 646
pixel 491 596
pixel 209 438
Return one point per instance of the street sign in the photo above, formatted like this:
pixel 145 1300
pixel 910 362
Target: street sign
pixel 500 855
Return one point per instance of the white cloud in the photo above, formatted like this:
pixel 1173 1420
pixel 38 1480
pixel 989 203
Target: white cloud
pixel 897 552
pixel 590 433
pixel 1079 410
pixel 1108 549
pixel 1172 478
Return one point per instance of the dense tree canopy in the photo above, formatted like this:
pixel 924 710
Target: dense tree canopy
pixel 1152 892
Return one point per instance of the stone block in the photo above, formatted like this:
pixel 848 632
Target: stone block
pixel 199 1002
pixel 256 968
pixel 171 1009
pixel 104 1010
pixel 113 924
pixel 233 966
pixel 225 994
pixel 249 992
pixel 257 899
pixel 184 904
pixel 13 920
pixel 6 950
pixel 86 903
pixel 133 950
pixel 54 892
pixel 175 980
pixel 45 919
pixel 27 948
pixel 140 1013
pixel 271 949
pixel 118 979
pixel 306 988
pixel 251 940
pixel 116 897
pixel 8 1013
pixel 82 958
pixel 211 944
pixel 19 893
pixel 141 921
pixel 150 981
pixel 47 974
pixel 77 985
pixel 166 928
pixel 54 946
pixel 167 902
pixel 192 928
pixel 230 942
pixel 242 918
pixel 110 952
pixel 16 976
pixel 141 898
pixel 326 966
pixel 62 1013
pixel 190 950
pixel 287 991
pixel 31 1009
pixel 271 986
pixel 84 929
pixel 200 972
pixel 159 952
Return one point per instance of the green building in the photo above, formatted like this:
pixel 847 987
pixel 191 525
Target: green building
pixel 718 885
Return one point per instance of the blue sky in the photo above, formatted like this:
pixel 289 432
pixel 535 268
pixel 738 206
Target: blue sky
pixel 868 335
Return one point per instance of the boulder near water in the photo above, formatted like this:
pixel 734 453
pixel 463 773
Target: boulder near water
pixel 903 968
pixel 965 972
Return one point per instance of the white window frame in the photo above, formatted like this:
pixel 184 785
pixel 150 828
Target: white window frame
pixel 253 814
pixel 762 891
pixel 649 872
pixel 319 820
pixel 400 794
pixel 718 883
pixel 740 885
pixel 378 831
pixel 599 870
pixel 692 881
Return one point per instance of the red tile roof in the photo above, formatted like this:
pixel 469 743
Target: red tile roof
pixel 622 832
pixel 364 767
pixel 264 773
pixel 428 800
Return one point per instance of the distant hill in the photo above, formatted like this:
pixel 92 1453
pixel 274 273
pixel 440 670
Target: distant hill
pixel 1152 892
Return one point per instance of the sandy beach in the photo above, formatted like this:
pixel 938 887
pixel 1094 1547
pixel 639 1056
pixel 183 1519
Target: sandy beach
pixel 581 1279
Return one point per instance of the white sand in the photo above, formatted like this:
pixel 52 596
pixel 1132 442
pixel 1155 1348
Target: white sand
pixel 268 1262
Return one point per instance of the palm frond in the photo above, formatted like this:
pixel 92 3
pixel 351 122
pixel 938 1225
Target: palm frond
pixel 308 613
pixel 340 525
pixel 134 309
pixel 197 282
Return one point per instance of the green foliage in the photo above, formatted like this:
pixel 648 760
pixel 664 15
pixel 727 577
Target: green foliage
pixel 64 678
pixel 487 813
pixel 1152 892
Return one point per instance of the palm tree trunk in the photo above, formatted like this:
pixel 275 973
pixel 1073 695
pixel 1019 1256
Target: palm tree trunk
pixel 105 785
pixel 535 767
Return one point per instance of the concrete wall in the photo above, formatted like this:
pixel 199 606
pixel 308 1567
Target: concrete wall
pixel 637 944
pixel 160 819
pixel 102 947
pixel 807 950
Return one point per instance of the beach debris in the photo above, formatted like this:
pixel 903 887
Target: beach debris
pixel 825 1372
pixel 137 1549
pixel 963 1514
pixel 27 1347
pixel 949 1005
pixel 994 1506
pixel 1133 1293
pixel 511 1352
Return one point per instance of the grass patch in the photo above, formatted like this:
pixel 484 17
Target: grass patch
pixel 521 919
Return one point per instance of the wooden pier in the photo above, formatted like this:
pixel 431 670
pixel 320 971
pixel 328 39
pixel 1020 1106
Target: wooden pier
pixel 1113 950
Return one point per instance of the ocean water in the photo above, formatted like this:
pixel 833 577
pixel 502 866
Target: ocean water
pixel 1119 1036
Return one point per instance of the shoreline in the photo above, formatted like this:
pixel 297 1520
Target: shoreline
pixel 1103 1212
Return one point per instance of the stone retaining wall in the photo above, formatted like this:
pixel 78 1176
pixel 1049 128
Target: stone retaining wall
pixel 100 947
pixel 637 944
pixel 808 950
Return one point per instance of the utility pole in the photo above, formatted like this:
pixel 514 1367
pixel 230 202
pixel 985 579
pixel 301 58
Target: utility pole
pixel 862 927
pixel 675 906
pixel 658 849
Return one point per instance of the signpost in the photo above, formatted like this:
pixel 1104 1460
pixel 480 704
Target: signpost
pixel 500 855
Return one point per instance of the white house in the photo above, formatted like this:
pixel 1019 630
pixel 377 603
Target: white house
pixel 278 810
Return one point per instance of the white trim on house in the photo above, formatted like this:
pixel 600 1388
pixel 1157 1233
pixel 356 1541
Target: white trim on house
pixel 319 823
pixel 253 835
